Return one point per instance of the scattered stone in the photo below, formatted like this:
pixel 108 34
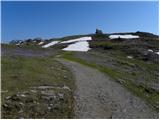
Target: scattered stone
pixel 33 91
pixel 65 77
pixel 22 104
pixel 44 87
pixel 22 95
pixel 36 102
pixel 9 97
pixel 61 96
pixel 5 105
pixel 51 104
pixel 52 67
pixel 49 108
pixel 66 87
pixel 21 111
pixel 130 57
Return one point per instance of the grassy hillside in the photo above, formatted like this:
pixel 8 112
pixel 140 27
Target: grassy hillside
pixel 35 85
pixel 23 78
pixel 129 62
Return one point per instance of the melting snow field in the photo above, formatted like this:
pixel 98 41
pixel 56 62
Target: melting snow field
pixel 123 36
pixel 78 39
pixel 78 46
pixel 50 44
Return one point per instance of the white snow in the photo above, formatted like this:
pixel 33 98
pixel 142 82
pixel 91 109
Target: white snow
pixel 40 43
pixel 153 51
pixel 50 44
pixel 150 50
pixel 123 36
pixel 78 46
pixel 77 40
pixel 157 53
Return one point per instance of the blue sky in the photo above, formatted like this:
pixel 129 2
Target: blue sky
pixel 22 20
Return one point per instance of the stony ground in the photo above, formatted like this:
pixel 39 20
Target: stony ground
pixel 35 85
pixel 97 96
pixel 39 102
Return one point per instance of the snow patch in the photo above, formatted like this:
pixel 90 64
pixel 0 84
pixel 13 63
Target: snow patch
pixel 40 43
pixel 77 40
pixel 157 53
pixel 50 44
pixel 123 36
pixel 78 46
pixel 150 50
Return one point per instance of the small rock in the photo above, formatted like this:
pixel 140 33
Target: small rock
pixel 9 97
pixel 61 96
pixel 52 67
pixel 51 104
pixel 22 95
pixel 21 111
pixel 65 77
pixel 34 102
pixel 5 105
pixel 21 103
pixel 66 87
pixel 33 91
pixel 130 57
pixel 49 108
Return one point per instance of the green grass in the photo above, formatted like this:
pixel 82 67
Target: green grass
pixel 20 73
pixel 147 68
pixel 148 94
pixel 100 44
pixel 31 47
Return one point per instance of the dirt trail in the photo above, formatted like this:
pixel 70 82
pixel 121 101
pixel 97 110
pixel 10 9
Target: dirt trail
pixel 96 96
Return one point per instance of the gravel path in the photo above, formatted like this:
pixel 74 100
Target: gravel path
pixel 96 96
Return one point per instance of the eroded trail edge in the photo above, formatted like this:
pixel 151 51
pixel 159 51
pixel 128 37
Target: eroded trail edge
pixel 96 96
